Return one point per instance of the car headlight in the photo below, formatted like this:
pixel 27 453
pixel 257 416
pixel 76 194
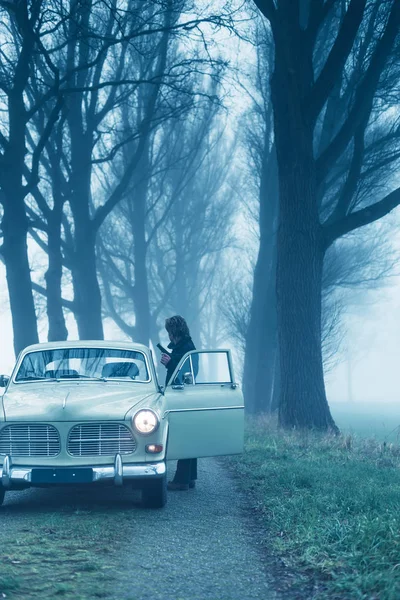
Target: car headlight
pixel 145 421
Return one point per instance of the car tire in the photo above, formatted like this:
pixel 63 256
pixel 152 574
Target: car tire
pixel 2 494
pixel 154 493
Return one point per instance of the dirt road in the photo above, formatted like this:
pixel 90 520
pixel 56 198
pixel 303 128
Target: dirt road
pixel 84 544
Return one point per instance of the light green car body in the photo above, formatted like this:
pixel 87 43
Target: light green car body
pixel 194 420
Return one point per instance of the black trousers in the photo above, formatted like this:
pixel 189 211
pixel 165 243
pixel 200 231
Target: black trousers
pixel 186 470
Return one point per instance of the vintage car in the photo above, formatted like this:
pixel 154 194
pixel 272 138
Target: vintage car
pixel 92 412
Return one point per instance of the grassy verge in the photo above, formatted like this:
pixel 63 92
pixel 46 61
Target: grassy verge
pixel 65 553
pixel 330 506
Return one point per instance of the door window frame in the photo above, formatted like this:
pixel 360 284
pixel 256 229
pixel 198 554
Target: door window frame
pixel 189 355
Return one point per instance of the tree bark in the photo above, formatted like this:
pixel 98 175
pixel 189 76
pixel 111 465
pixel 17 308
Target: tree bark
pixel 268 346
pixel 15 254
pixel 300 249
pixel 55 314
pixel 141 289
pixel 15 228
pixel 262 339
pixel 15 222
pixel 87 296
pixel 303 400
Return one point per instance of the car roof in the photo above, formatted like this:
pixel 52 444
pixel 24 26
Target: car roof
pixel 86 344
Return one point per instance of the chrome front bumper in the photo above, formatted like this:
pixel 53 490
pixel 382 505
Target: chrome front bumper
pixel 21 476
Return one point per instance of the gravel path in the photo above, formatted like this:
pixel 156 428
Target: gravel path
pixel 207 548
pixel 202 546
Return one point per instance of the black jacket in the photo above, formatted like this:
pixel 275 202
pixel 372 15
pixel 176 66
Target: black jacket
pixel 178 350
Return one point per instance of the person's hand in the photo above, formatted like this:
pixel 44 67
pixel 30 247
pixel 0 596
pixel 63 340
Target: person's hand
pixel 165 358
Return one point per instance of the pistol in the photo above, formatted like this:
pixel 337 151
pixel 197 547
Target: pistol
pixel 163 350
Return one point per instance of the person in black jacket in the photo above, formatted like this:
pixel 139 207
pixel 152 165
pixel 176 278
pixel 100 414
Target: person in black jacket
pixel 180 343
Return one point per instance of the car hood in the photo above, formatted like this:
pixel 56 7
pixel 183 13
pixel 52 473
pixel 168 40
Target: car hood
pixel 74 402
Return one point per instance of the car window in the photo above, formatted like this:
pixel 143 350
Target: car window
pixel 83 363
pixel 205 368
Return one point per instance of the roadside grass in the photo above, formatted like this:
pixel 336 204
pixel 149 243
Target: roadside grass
pixel 330 505
pixel 69 553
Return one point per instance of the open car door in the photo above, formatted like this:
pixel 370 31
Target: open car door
pixel 204 407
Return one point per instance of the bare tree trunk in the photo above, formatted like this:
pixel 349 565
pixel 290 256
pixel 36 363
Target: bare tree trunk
pixel 15 228
pixel 18 273
pixel 261 336
pixel 267 338
pixel 53 276
pixel 300 255
pixel 141 289
pixel 186 302
pixel 303 400
pixel 55 314
pixel 87 296
pixel 261 339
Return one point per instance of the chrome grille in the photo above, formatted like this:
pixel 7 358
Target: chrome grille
pixel 30 440
pixel 100 439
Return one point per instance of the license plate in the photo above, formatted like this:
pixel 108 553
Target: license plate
pixel 81 475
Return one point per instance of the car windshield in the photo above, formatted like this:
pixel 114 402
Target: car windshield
pixel 83 363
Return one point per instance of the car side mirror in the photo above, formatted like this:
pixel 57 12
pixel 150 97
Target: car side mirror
pixel 4 379
pixel 187 379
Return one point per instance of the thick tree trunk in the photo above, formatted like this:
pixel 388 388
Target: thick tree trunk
pixel 15 254
pixel 82 125
pixel 261 339
pixel 15 226
pixel 267 348
pixel 53 276
pixel 141 296
pixel 87 296
pixel 299 275
pixel 261 343
pixel 185 300
pixel 300 249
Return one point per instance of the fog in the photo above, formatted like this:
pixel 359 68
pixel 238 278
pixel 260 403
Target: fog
pixel 372 339
pixel 191 162
pixel 373 360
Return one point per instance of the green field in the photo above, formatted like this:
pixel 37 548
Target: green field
pixel 368 420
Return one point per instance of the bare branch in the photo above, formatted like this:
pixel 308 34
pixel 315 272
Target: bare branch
pixel 42 290
pixel 34 175
pixel 336 59
pixel 353 176
pixel 364 94
pixel 362 217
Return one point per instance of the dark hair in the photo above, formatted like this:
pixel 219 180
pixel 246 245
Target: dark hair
pixel 177 327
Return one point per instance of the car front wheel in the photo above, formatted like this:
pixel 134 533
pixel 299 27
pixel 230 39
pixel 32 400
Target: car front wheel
pixel 2 494
pixel 154 493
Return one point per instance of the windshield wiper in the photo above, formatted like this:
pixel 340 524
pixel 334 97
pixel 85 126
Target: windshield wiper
pixel 62 377
pixel 89 377
pixel 36 379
